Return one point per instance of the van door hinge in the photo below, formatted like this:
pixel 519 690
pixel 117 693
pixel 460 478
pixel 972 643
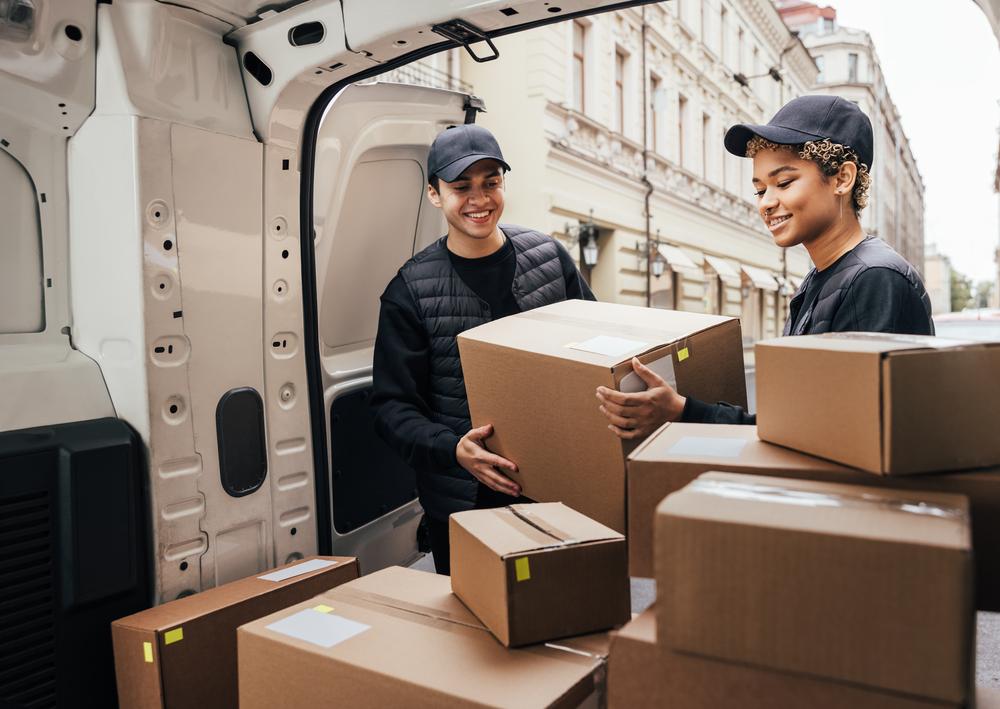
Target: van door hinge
pixel 473 105
pixel 467 34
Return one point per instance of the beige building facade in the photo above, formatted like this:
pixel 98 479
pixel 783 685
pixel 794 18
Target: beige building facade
pixel 849 67
pixel 601 117
pixel 937 280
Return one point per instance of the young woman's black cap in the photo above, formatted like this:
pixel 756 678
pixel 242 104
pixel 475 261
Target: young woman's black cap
pixel 458 147
pixel 811 118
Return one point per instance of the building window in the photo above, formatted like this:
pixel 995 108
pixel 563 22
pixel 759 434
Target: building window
pixel 828 25
pixel 618 117
pixel 682 111
pixel 740 49
pixel 725 162
pixel 706 130
pixel 820 63
pixel 655 101
pixel 852 67
pixel 579 43
pixel 723 25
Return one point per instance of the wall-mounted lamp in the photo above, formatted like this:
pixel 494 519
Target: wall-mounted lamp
pixel 585 234
pixel 744 80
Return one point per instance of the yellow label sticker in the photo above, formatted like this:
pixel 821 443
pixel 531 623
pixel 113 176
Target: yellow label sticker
pixel 323 608
pixel 521 569
pixel 147 651
pixel 173 636
pixel 683 354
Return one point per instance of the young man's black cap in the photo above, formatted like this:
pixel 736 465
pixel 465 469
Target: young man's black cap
pixel 458 147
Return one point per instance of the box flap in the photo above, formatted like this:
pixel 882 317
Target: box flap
pixel 184 610
pixel 603 334
pixel 518 529
pixel 926 518
pixel 876 342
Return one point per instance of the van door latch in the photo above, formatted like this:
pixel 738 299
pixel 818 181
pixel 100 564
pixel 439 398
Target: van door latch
pixel 467 34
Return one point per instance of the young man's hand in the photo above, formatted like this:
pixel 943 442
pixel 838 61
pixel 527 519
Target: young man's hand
pixel 472 455
pixel 635 416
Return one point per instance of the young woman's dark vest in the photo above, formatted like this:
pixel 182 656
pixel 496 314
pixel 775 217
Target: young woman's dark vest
pixel 449 307
pixel 870 253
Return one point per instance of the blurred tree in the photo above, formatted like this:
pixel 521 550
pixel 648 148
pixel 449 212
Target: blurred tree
pixel 984 289
pixel 961 291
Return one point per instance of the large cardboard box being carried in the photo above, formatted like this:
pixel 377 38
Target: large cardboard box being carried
pixel 680 452
pixel 183 653
pixel 401 638
pixel 539 572
pixel 644 673
pixel 852 583
pixel 534 376
pixel 888 404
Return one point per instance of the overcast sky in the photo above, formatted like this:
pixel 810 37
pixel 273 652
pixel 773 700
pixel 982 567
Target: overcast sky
pixel 941 63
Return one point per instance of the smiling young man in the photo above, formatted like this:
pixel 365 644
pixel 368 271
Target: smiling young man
pixel 811 174
pixel 479 271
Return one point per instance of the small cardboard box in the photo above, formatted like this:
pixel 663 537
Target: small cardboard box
pixel 534 376
pixel 680 452
pixel 183 653
pixel 400 637
pixel 888 404
pixel 644 673
pixel 538 572
pixel 847 582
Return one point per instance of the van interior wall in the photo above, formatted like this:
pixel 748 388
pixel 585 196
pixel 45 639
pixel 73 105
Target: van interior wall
pixel 170 265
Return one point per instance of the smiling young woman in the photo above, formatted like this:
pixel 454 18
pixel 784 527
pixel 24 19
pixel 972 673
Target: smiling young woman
pixel 811 176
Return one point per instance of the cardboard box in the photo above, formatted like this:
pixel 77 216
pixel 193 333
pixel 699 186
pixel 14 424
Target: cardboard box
pixel 533 573
pixel 846 582
pixel 888 404
pixel 400 637
pixel 680 452
pixel 644 673
pixel 534 376
pixel 183 653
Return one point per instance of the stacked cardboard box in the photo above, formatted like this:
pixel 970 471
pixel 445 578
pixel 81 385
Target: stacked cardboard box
pixel 539 572
pixel 399 637
pixel 888 404
pixel 534 376
pixel 183 653
pixel 778 592
pixel 679 452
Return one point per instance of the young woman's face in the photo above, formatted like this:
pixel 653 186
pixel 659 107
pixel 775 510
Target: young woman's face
pixel 795 201
pixel 473 203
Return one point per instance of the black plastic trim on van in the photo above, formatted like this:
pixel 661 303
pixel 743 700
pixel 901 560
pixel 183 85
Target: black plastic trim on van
pixel 310 134
pixel 239 423
pixel 74 530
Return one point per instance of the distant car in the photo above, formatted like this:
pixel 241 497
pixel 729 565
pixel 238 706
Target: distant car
pixel 981 324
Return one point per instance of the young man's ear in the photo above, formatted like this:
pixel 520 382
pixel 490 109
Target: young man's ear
pixel 433 196
pixel 846 177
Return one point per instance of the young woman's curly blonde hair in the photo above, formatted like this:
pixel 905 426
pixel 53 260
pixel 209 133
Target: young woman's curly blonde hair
pixel 829 156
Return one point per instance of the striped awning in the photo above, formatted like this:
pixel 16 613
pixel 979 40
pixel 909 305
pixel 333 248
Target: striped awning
pixel 759 277
pixel 724 270
pixel 675 258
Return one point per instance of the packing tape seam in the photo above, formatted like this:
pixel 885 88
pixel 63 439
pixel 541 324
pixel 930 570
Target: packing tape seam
pixel 417 609
pixel 807 498
pixel 543 527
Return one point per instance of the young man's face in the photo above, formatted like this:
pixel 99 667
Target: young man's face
pixel 795 201
pixel 473 203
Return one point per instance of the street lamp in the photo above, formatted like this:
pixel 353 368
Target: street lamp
pixel 585 233
pixel 744 80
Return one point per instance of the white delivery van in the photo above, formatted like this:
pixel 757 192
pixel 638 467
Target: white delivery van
pixel 200 208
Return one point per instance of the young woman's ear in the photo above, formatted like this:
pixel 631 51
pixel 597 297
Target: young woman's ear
pixel 846 178
pixel 433 196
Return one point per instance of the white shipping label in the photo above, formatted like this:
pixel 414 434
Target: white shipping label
pixel 304 568
pixel 664 367
pixel 709 447
pixel 318 628
pixel 610 346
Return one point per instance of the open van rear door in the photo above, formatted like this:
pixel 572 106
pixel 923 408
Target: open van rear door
pixel 370 216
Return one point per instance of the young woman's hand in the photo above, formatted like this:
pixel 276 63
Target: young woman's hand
pixel 635 416
pixel 472 455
